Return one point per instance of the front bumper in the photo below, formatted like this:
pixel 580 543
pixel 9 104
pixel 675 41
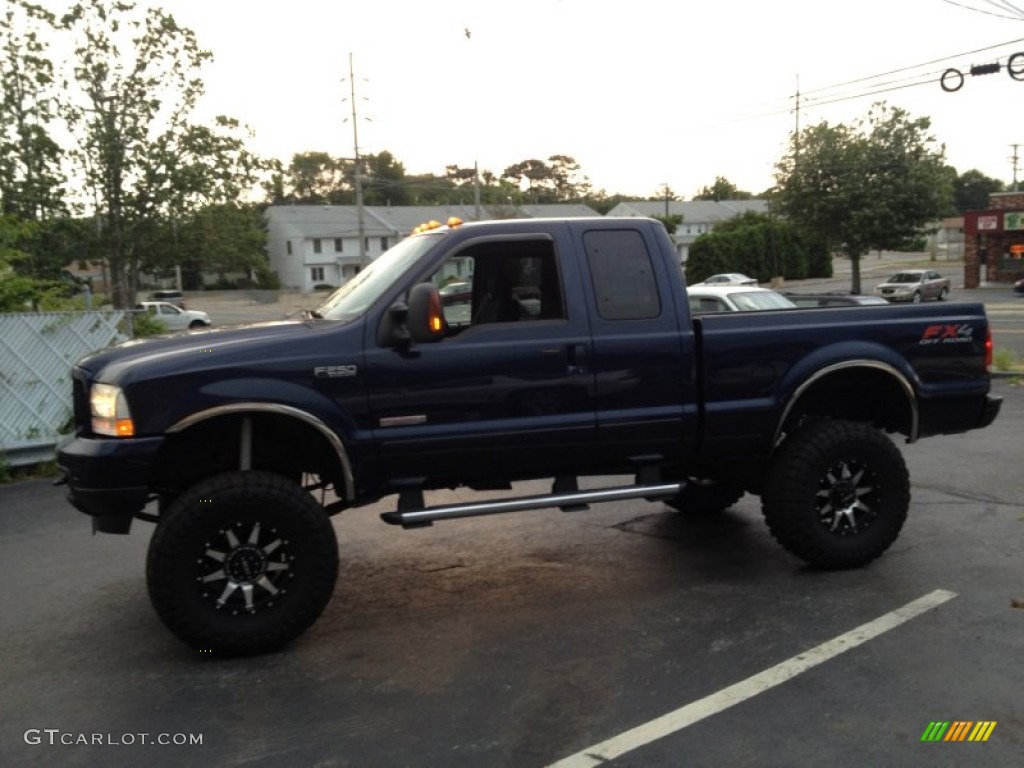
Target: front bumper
pixel 108 478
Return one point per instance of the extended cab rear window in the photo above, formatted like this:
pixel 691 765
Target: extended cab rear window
pixel 623 275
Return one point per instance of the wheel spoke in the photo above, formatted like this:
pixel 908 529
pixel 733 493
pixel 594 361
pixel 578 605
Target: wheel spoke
pixel 272 546
pixel 229 590
pixel 267 584
pixel 214 554
pixel 217 575
pixel 278 567
pixel 247 594
pixel 232 539
pixel 255 535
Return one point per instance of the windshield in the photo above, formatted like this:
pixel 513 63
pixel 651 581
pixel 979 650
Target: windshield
pixel 905 277
pixel 355 297
pixel 751 300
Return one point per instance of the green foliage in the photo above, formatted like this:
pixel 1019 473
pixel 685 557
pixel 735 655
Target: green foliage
pixel 144 161
pixel 757 245
pixel 143 324
pixel 670 222
pixel 31 178
pixel 1004 359
pixel 971 190
pixel 558 180
pixel 267 279
pixel 870 186
pixel 722 189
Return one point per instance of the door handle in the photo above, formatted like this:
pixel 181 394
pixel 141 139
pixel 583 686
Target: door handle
pixel 577 362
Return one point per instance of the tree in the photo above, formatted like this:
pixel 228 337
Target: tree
pixel 384 180
pixel 143 160
pixel 758 245
pixel 314 178
pixel 971 190
pixel 30 173
pixel 873 185
pixel 722 189
pixel 559 182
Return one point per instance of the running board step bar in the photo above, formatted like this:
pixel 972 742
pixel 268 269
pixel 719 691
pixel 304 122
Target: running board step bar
pixel 421 516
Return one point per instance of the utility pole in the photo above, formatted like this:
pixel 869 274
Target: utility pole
pixel 359 167
pixel 796 130
pixel 476 188
pixel 1015 160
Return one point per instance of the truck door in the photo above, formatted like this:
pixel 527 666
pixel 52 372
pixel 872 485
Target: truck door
pixel 644 359
pixel 509 390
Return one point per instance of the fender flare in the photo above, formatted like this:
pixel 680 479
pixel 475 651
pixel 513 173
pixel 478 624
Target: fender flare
pixel 877 365
pixel 280 410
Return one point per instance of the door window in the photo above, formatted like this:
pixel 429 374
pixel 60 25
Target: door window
pixel 508 282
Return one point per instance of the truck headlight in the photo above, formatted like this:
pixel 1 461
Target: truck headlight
pixel 109 409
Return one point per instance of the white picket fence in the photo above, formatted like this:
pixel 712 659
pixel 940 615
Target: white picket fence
pixel 37 350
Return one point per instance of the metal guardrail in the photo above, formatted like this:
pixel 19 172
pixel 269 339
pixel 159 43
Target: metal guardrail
pixel 37 350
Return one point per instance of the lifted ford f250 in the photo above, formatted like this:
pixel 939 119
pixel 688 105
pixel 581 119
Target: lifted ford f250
pixel 568 351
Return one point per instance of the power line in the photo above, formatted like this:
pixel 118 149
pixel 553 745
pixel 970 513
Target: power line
pixel 911 81
pixel 1019 17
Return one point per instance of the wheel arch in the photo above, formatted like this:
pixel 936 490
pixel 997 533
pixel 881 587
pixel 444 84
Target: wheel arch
pixel 858 390
pixel 239 429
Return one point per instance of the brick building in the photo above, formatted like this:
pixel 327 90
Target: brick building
pixel 994 241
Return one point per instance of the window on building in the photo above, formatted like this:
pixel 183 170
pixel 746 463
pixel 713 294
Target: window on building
pixel 383 244
pixel 316 274
pixel 337 245
pixel 288 246
pixel 316 245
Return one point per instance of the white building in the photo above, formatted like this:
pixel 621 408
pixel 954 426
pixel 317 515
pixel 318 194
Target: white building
pixel 699 216
pixel 311 245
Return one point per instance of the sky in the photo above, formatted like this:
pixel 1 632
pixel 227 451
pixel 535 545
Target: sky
pixel 642 93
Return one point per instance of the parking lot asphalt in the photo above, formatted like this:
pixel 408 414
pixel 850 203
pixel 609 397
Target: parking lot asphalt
pixel 531 638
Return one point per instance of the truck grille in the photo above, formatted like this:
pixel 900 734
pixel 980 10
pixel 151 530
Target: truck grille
pixel 80 399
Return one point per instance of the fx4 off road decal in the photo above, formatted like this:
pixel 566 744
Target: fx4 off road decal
pixel 948 334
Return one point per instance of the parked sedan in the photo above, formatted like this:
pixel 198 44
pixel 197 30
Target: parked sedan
pixel 1019 286
pixel 729 278
pixel 705 299
pixel 914 285
pixel 175 319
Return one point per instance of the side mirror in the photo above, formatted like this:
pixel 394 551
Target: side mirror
pixel 425 317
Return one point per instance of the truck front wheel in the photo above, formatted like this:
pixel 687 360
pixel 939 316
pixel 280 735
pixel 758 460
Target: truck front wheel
pixel 837 494
pixel 242 563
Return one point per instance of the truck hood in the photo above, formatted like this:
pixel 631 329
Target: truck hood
pixel 199 349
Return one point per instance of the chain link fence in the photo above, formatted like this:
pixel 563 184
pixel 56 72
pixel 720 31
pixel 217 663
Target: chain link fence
pixel 37 350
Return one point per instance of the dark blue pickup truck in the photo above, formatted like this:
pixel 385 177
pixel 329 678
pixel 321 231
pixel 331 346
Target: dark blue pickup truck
pixel 565 348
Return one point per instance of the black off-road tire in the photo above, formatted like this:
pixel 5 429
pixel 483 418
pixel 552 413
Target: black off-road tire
pixel 837 494
pixel 701 497
pixel 242 563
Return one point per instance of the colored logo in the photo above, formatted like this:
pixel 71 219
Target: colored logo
pixel 959 730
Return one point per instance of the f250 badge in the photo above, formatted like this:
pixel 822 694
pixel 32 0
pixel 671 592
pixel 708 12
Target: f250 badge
pixel 335 371
pixel 948 334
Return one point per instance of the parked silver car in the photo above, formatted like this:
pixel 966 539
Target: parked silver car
pixel 175 319
pixel 706 299
pixel 914 285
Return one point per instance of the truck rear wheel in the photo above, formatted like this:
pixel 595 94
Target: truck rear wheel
pixel 242 563
pixel 705 497
pixel 837 494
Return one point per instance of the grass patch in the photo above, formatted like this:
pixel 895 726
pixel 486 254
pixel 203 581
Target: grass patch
pixel 9 474
pixel 1004 360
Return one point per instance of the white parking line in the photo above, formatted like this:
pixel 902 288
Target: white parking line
pixel 752 686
